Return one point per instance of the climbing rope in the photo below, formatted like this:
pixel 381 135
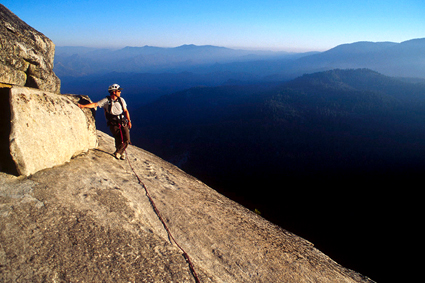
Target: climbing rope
pixel 170 236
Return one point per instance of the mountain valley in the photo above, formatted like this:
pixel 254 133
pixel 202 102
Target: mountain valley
pixel 337 140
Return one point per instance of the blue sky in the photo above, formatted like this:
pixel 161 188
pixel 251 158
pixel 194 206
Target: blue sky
pixel 296 25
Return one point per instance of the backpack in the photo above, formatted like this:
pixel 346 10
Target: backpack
pixel 115 119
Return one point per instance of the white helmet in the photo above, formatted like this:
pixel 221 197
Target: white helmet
pixel 114 87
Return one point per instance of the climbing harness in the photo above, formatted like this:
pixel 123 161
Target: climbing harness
pixel 170 236
pixel 115 119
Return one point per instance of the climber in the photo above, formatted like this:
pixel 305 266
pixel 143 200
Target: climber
pixel 117 116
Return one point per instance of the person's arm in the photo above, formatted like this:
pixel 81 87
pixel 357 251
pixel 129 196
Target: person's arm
pixel 127 116
pixel 90 105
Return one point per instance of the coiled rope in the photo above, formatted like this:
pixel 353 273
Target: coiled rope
pixel 170 236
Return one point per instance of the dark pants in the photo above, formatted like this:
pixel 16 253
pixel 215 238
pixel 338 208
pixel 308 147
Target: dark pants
pixel 122 137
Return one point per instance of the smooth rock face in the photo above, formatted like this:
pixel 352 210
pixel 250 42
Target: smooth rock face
pixel 47 129
pixel 26 55
pixel 91 221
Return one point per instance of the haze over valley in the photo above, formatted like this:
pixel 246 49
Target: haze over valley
pixel 308 139
pixel 149 72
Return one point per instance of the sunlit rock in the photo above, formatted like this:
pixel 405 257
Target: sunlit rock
pixel 46 129
pixel 26 55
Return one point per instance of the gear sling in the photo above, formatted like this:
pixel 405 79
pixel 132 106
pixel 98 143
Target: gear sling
pixel 115 119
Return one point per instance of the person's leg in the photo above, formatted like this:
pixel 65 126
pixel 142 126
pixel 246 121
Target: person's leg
pixel 124 139
pixel 116 133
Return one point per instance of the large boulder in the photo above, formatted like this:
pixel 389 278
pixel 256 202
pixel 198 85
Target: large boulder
pixel 46 129
pixel 26 55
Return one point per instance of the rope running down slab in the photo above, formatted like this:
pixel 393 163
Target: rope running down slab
pixel 185 254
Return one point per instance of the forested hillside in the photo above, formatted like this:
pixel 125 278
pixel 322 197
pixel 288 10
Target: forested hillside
pixel 336 121
pixel 338 140
pixel 146 73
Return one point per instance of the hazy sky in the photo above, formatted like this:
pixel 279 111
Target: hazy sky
pixel 295 25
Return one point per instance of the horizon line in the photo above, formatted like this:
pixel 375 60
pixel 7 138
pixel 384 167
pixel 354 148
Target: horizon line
pixel 244 48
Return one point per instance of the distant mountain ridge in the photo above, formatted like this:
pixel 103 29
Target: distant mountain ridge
pixel 405 59
pixel 148 72
pixel 80 61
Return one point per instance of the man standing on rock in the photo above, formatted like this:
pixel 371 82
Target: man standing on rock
pixel 117 116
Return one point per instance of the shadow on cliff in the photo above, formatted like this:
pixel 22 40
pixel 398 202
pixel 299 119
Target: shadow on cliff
pixel 358 219
pixel 7 164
